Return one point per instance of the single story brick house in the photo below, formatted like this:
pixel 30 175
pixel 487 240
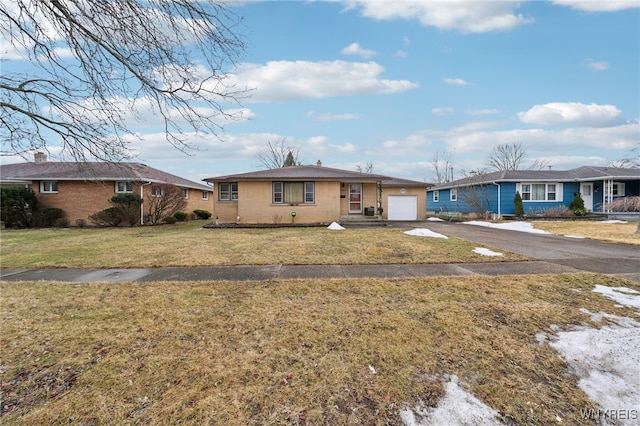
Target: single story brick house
pixel 81 189
pixel 311 194
pixel 540 190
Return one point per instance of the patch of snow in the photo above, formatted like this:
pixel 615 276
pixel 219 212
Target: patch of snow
pixel 623 295
pixel 607 362
pixel 435 219
pixel 575 236
pixel 486 252
pixel 372 369
pixel 458 407
pixel 335 226
pixel 422 232
pixel 510 226
pixel 614 221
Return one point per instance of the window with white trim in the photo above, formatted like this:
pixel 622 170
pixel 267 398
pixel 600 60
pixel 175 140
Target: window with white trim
pixel 618 189
pixel 205 195
pixel 185 193
pixel 124 187
pixel 228 191
pixel 436 196
pixel 453 195
pixel 541 191
pixel 157 192
pixel 49 187
pixel 294 193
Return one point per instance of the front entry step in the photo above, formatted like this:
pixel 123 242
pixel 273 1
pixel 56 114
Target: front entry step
pixel 362 220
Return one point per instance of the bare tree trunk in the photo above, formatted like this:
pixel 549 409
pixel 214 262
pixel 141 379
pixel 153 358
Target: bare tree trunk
pixel 638 228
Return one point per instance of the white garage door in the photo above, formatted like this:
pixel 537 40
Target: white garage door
pixel 403 207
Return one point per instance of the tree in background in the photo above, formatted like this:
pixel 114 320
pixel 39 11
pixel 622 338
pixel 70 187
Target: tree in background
pixel 442 165
pixel 163 201
pixel 279 154
pixel 95 65
pixel 512 156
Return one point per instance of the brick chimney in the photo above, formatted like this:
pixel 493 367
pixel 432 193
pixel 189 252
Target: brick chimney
pixel 319 163
pixel 40 157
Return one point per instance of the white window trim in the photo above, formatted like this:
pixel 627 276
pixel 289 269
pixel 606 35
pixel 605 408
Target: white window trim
pixel 558 192
pixel 185 193
pixel 436 196
pixel 205 195
pixel 49 191
pixel 233 195
pixel 305 193
pixel 126 191
pixel 453 194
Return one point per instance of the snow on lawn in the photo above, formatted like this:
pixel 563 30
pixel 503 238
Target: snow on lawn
pixel 486 252
pixel 435 219
pixel 335 227
pixel 422 232
pixel 607 360
pixel 511 226
pixel 614 221
pixel 458 407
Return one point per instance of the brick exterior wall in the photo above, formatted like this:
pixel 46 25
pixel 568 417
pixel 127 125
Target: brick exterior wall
pixel 81 199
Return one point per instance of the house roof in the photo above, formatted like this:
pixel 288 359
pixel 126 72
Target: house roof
pixel 584 173
pixel 295 173
pixel 92 171
pixel 398 182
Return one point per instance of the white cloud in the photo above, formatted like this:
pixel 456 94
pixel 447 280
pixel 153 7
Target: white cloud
pixel 400 54
pixel 464 16
pixel 486 111
pixel 288 80
pixel 455 81
pixel 355 49
pixel 333 117
pixel 572 113
pixel 597 65
pixel 442 111
pixel 598 6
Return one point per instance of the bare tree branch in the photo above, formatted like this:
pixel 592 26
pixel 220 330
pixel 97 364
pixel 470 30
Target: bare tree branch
pixel 442 165
pixel 96 67
pixel 511 156
pixel 279 154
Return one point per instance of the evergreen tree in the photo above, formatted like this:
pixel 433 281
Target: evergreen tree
pixel 519 208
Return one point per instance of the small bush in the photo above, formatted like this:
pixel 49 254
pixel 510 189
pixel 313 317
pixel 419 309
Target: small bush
pixel 181 216
pixel 519 208
pixel 107 217
pixel 17 206
pixel 202 214
pixel 169 220
pixel 577 206
pixel 47 217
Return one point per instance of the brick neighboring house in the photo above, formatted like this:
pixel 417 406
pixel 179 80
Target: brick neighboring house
pixel 82 189
pixel 316 194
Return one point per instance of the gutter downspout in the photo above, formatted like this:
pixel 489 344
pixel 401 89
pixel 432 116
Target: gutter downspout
pixel 142 185
pixel 499 210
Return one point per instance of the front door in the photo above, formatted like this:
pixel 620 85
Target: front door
pixel 586 191
pixel 355 198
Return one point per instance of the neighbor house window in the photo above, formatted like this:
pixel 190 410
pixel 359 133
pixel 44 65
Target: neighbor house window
pixel 294 192
pixel 436 196
pixel 453 194
pixel 618 189
pixel 540 192
pixel 49 187
pixel 157 192
pixel 185 193
pixel 228 191
pixel 205 195
pixel 122 187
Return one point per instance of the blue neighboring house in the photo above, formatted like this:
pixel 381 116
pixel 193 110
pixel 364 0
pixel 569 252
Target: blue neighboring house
pixel 541 190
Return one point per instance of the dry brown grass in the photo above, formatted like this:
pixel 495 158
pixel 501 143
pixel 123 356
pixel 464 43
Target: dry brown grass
pixel 287 352
pixel 189 245
pixel 613 232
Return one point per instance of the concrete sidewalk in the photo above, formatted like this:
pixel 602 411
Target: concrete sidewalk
pixel 281 272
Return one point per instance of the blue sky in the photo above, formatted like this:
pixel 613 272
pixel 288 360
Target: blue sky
pixel 392 83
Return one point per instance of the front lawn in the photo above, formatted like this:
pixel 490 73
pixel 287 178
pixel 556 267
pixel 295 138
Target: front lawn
pixel 292 351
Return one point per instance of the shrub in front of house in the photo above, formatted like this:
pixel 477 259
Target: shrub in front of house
pixel 181 216
pixel 48 217
pixel 202 214
pixel 519 207
pixel 169 220
pixel 107 217
pixel 17 206
pixel 577 206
